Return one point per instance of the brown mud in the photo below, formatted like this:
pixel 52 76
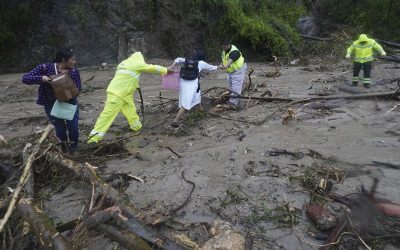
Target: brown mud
pixel 240 173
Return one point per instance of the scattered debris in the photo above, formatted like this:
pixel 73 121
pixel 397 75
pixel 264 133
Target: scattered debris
pixel 291 115
pixel 224 238
pixel 323 219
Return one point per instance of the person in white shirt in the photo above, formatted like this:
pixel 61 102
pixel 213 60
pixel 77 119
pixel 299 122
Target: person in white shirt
pixel 189 85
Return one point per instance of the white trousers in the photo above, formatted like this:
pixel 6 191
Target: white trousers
pixel 235 80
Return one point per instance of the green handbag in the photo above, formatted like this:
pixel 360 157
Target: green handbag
pixel 63 110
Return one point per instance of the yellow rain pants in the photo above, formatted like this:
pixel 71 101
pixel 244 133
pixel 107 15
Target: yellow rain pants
pixel 114 105
pixel 120 94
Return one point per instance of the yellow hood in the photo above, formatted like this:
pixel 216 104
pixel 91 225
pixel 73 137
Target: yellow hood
pixel 137 57
pixel 363 38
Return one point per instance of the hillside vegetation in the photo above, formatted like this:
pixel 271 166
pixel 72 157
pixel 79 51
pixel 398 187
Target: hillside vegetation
pixel 259 28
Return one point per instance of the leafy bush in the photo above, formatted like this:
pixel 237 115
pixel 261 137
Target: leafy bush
pixel 262 26
pixel 378 18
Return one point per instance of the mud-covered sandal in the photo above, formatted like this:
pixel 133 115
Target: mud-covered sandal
pixel 175 124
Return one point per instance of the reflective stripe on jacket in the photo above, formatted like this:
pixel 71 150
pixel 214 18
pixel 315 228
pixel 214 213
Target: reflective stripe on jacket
pixel 126 78
pixel 236 64
pixel 364 52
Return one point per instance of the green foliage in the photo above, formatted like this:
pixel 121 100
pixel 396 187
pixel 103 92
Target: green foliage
pixel 78 12
pixel 258 25
pixel 281 216
pixel 379 18
pixel 13 25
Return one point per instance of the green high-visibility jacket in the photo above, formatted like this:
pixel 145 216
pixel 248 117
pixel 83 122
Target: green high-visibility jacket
pixel 126 78
pixel 236 64
pixel 364 52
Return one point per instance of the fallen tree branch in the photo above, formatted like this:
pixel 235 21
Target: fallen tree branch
pixel 389 58
pixel 172 151
pixel 334 237
pixel 97 222
pixel 389 43
pixel 88 172
pixel 125 239
pixel 321 39
pixel 29 186
pixel 278 110
pixel 249 75
pixel 47 236
pixel 24 176
pixel 129 221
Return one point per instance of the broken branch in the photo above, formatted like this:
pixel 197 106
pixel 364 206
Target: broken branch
pixel 23 178
pixel 46 234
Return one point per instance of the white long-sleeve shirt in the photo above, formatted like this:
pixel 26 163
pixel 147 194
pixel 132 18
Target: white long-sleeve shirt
pixel 188 95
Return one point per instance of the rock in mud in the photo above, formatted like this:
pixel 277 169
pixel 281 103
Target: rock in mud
pixel 389 209
pixel 224 238
pixel 6 171
pixel 322 217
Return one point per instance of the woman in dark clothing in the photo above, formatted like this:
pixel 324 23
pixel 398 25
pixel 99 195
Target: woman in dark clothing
pixel 40 75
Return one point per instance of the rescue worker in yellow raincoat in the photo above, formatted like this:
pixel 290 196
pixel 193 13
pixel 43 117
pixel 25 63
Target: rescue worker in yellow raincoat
pixel 120 95
pixel 363 56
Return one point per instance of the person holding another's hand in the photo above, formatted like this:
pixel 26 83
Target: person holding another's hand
pixel 120 93
pixel 189 83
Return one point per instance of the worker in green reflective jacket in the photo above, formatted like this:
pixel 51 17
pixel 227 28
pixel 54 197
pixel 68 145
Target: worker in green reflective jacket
pixel 363 56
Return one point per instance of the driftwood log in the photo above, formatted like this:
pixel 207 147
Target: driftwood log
pixel 47 236
pixel 24 176
pixel 125 219
pixel 125 239
pixel 98 220
pixel 356 96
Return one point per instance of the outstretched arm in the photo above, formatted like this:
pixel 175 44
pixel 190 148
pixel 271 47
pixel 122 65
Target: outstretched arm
pixel 349 51
pixel 153 69
pixel 379 48
pixel 177 61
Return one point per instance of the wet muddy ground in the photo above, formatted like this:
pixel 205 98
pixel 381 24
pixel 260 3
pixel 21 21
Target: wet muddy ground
pixel 243 173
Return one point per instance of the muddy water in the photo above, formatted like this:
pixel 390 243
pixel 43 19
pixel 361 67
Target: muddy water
pixel 216 154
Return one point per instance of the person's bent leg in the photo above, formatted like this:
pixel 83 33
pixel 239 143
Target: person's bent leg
pixel 59 126
pixel 356 72
pixel 73 132
pixel 236 84
pixel 367 68
pixel 111 109
pixel 179 115
pixel 129 110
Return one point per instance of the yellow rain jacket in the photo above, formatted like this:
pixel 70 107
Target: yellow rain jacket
pixel 120 95
pixel 126 78
pixel 236 64
pixel 364 52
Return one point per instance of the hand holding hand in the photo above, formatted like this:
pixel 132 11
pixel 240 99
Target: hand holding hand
pixel 46 79
pixel 170 70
